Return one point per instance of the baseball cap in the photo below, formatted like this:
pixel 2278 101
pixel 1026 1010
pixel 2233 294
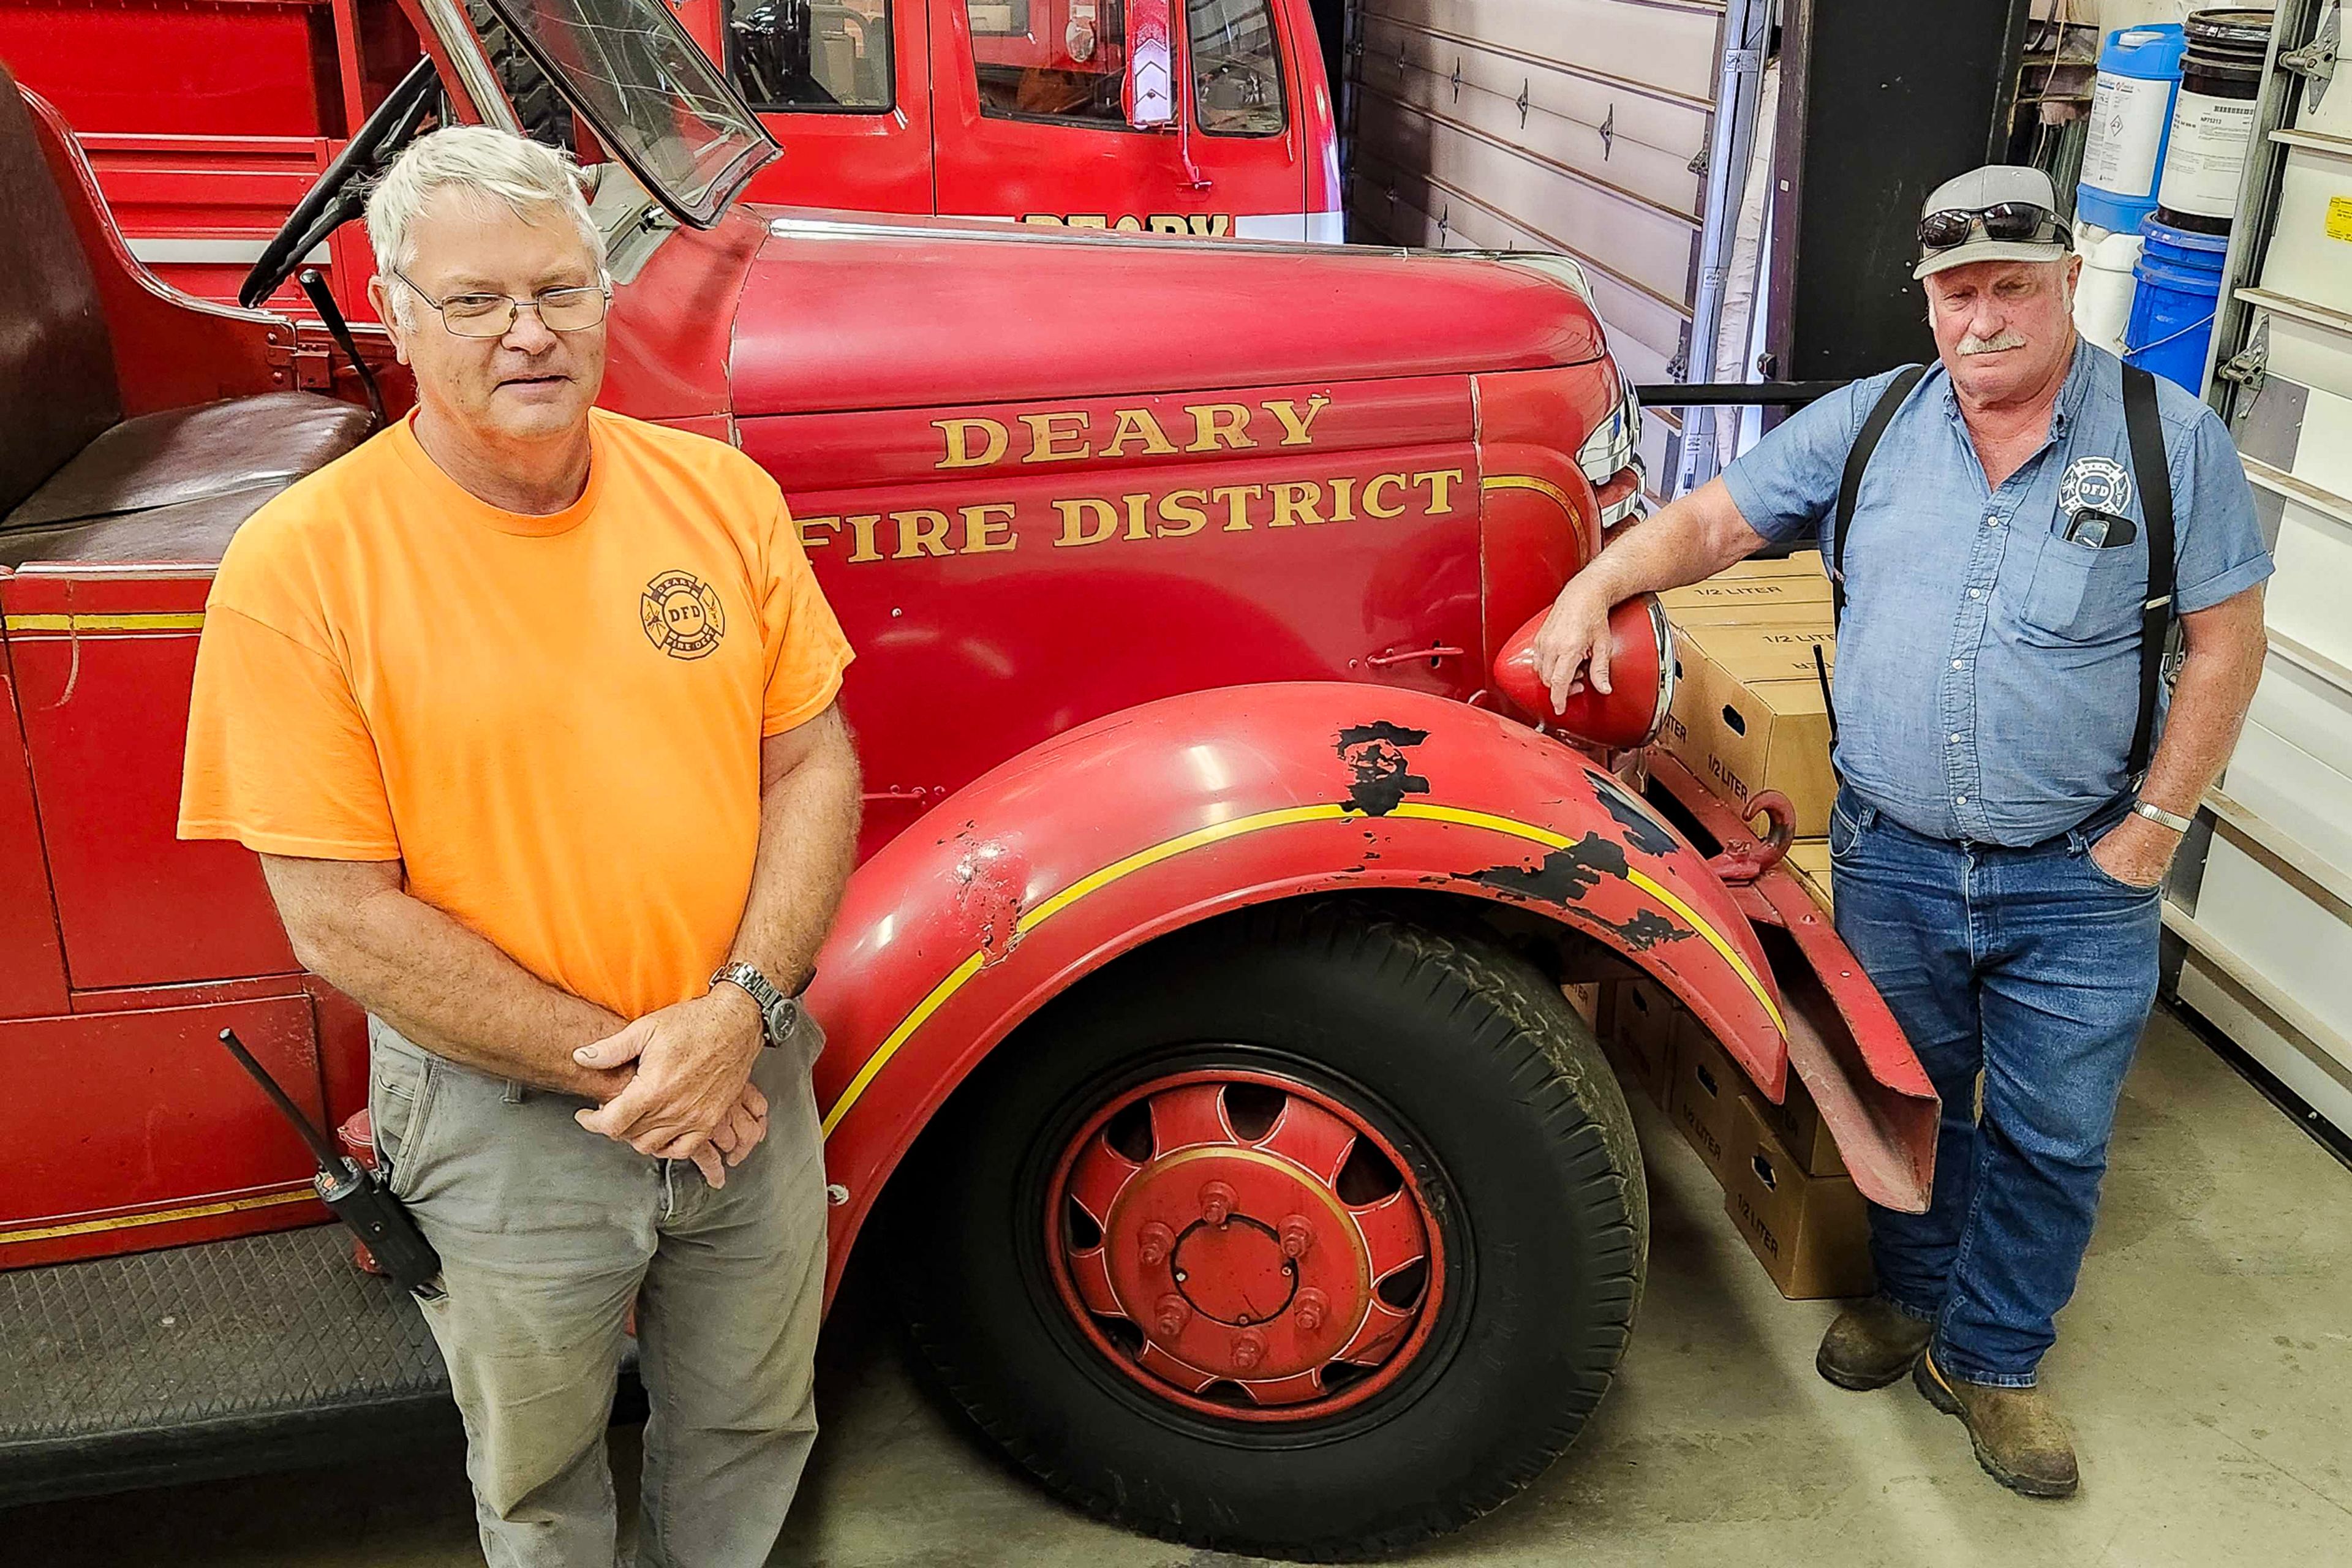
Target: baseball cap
pixel 1990 186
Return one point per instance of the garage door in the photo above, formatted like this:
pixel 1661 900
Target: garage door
pixel 2267 911
pixel 1584 126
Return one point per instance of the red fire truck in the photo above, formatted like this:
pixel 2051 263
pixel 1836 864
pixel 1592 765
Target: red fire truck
pixel 1199 1072
pixel 205 120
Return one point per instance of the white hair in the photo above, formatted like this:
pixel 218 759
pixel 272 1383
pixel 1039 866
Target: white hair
pixel 535 182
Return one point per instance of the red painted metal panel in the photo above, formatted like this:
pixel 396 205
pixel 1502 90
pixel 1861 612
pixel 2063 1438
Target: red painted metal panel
pixel 32 960
pixel 105 721
pixel 828 319
pixel 232 67
pixel 667 353
pixel 996 603
pixel 114 1118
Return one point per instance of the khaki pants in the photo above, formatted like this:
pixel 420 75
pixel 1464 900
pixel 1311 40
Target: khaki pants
pixel 546 1233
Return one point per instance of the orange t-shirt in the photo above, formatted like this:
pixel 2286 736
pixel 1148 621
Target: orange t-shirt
pixel 553 722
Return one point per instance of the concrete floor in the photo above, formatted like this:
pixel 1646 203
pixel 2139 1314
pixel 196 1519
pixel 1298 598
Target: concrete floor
pixel 2206 1365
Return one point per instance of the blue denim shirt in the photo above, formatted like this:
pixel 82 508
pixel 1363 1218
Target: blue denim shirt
pixel 1987 671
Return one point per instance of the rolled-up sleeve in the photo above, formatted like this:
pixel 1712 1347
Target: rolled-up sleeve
pixel 2218 550
pixel 1787 484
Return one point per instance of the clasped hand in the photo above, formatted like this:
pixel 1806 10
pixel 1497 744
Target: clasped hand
pixel 691 1096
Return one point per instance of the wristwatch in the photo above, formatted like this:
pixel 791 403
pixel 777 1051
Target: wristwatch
pixel 779 1013
pixel 2158 814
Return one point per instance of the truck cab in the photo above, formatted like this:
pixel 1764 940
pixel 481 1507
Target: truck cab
pixel 1194 118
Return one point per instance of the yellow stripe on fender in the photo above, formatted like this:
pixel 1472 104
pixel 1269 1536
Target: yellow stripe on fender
pixel 1546 837
pixel 1218 832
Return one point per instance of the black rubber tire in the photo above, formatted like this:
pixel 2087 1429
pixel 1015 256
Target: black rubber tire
pixel 545 114
pixel 1468 1061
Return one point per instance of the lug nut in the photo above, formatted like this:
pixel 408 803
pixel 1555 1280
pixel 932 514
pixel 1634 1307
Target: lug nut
pixel 1217 1202
pixel 1154 1243
pixel 1311 1309
pixel 1170 1315
pixel 1296 1234
pixel 1249 1349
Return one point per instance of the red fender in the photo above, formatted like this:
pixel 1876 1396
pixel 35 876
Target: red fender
pixel 1157 817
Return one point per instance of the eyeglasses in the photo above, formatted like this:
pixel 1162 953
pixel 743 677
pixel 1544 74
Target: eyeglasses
pixel 2002 220
pixel 568 310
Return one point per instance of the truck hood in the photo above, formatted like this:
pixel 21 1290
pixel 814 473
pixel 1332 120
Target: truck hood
pixel 898 313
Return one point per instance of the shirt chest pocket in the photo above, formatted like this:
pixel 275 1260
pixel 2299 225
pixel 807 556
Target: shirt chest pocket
pixel 2084 593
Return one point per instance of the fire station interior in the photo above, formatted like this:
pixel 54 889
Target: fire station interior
pixel 1363 234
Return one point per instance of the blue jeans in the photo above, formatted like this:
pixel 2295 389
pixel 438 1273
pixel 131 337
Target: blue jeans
pixel 2038 969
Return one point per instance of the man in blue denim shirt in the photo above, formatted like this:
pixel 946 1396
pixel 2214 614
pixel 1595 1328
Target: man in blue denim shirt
pixel 1997 870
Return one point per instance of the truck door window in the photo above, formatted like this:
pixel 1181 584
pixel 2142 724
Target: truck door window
pixel 1236 68
pixel 1058 60
pixel 798 56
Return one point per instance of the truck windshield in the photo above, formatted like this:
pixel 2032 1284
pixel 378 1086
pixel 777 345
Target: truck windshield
pixel 655 100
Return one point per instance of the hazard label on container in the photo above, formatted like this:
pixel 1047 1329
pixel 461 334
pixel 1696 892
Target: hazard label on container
pixel 2340 217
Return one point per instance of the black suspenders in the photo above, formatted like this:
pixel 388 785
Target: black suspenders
pixel 2150 469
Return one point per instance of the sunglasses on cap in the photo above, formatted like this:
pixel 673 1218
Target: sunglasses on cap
pixel 2002 220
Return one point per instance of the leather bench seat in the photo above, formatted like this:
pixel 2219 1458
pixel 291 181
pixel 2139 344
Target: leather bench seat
pixel 173 486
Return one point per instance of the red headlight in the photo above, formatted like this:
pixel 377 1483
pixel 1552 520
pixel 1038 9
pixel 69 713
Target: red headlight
pixel 1641 678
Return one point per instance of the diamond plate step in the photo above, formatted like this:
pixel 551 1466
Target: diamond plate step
pixel 205 1361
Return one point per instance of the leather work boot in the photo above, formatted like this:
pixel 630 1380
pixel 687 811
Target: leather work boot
pixel 1871 1345
pixel 2020 1440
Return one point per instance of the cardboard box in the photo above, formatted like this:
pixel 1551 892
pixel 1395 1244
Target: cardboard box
pixel 1751 653
pixel 1592 1000
pixel 1646 1023
pixel 1811 1233
pixel 1810 859
pixel 1803 563
pixel 1706 1097
pixel 1796 1122
pixel 1805 598
pixel 1744 737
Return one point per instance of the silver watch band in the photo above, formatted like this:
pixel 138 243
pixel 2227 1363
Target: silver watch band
pixel 2158 814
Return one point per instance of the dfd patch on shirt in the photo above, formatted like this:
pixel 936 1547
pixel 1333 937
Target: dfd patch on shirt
pixel 2095 484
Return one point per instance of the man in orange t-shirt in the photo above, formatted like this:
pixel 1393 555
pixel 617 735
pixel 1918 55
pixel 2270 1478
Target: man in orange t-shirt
pixel 529 710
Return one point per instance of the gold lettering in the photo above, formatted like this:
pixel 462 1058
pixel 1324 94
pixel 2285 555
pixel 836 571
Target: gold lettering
pixel 1373 507
pixel 1343 499
pixel 1296 503
pixel 1046 435
pixel 1095 220
pixel 810 541
pixel 1135 527
pixel 980 524
pixel 1216 424
pixel 1237 499
pixel 1211 225
pixel 1441 482
pixel 921 533
pixel 1129 224
pixel 1077 532
pixel 1168 223
pixel 1296 428
pixel 1044 220
pixel 1175 510
pixel 862 528
pixel 959 442
pixel 1138 424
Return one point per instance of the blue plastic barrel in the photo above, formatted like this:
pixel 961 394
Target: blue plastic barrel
pixel 2131 121
pixel 2180 274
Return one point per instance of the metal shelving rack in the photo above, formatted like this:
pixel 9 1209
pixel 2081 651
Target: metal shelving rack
pixel 2260 904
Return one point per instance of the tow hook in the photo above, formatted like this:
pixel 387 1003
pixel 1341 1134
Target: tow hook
pixel 1743 860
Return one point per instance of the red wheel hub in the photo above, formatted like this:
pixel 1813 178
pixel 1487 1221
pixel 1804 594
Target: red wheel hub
pixel 1270 1248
